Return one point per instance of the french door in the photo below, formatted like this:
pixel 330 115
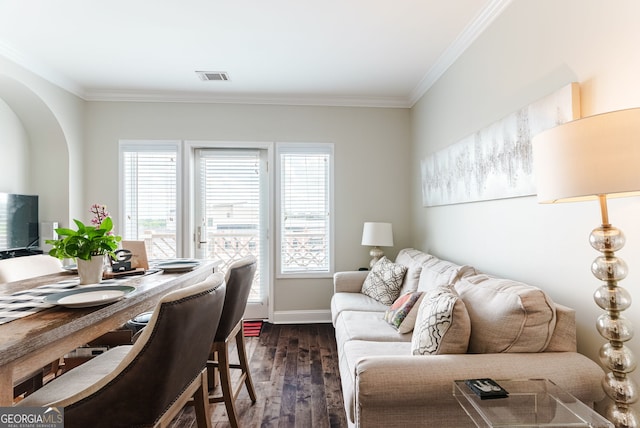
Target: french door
pixel 231 213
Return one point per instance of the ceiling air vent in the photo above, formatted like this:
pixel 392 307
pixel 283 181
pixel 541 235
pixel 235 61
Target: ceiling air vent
pixel 217 76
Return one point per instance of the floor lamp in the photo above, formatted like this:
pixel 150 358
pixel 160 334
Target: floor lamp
pixel 596 158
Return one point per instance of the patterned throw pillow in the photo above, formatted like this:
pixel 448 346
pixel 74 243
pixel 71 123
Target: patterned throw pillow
pixel 398 315
pixel 442 325
pixel 384 281
pixel 410 320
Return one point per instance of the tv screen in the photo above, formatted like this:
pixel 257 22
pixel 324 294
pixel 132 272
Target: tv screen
pixel 19 224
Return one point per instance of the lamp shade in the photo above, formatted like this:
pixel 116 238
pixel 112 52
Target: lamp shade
pixel 377 234
pixel 585 158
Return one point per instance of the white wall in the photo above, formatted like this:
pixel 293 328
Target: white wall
pixel 14 146
pixel 371 175
pixel 532 49
pixel 52 120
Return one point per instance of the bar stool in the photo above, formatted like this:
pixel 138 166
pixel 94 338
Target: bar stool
pixel 239 279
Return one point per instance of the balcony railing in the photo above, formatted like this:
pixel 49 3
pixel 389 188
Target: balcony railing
pixel 300 251
pixel 227 246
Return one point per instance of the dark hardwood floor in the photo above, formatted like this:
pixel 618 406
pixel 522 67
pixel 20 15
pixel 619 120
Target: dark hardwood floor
pixel 295 373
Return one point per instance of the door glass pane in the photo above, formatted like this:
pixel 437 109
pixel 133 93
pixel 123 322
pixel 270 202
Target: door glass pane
pixel 229 192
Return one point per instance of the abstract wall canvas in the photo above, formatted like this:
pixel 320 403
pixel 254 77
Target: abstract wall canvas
pixel 496 162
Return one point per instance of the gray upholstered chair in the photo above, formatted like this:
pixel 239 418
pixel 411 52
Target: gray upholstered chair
pixel 239 279
pixel 149 382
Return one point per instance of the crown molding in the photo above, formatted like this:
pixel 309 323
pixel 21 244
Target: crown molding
pixel 41 70
pixel 191 97
pixel 448 57
pixel 460 44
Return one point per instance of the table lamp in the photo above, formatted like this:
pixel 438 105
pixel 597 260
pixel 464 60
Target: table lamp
pixel 377 235
pixel 596 158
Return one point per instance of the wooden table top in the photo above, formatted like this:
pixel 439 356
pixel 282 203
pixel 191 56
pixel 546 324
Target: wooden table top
pixel 29 343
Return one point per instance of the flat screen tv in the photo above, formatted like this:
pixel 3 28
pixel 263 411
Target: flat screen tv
pixel 19 224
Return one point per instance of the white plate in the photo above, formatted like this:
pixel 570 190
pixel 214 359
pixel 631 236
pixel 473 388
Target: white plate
pixel 178 265
pixel 71 268
pixel 89 296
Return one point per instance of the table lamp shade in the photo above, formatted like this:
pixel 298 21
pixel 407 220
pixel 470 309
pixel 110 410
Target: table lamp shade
pixel 377 234
pixel 597 155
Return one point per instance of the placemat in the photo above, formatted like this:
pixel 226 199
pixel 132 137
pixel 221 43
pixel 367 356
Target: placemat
pixel 27 302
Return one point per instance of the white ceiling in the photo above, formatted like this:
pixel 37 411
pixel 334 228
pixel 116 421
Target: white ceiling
pixel 330 52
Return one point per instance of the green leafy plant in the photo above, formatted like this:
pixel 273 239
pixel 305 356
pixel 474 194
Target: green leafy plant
pixel 87 241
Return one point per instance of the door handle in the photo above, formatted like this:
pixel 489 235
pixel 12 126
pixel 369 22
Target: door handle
pixel 199 239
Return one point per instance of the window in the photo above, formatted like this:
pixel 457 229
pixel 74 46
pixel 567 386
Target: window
pixel 305 209
pixel 151 202
pixel 149 184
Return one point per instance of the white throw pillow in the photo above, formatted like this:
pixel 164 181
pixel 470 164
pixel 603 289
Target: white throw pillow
pixel 384 281
pixel 442 325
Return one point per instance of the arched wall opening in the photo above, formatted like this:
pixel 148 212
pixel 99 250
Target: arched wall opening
pixel 47 157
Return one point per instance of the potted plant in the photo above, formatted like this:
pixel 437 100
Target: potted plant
pixel 88 245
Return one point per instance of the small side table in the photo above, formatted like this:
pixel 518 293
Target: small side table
pixel 531 403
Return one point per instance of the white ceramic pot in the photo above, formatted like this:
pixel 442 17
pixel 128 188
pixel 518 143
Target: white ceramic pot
pixel 90 271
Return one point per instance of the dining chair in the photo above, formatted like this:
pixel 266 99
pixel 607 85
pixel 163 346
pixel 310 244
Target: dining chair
pixel 19 268
pixel 239 278
pixel 149 382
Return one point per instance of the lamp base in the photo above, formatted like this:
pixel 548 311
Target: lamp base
pixel 623 417
pixel 613 326
pixel 376 253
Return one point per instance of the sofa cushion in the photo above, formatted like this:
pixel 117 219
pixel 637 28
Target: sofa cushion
pixel 354 351
pixel 442 325
pixel 358 325
pixel 413 259
pixel 401 315
pixel 437 272
pixel 354 302
pixel 384 281
pixel 506 315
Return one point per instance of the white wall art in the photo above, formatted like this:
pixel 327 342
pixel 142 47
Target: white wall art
pixel 496 162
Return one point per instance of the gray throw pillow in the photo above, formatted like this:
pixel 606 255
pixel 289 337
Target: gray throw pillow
pixel 384 281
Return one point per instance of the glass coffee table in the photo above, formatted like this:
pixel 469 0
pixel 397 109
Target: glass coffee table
pixel 531 403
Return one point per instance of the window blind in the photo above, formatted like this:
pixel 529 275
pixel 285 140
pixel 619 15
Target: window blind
pixel 230 189
pixel 304 211
pixel 150 199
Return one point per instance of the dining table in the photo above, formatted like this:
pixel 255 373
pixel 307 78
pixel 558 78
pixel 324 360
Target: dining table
pixel 29 343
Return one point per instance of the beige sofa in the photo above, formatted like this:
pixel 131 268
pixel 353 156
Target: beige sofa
pixel 516 332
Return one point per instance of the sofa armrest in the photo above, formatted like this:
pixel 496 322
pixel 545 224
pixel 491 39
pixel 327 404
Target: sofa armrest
pixel 564 334
pixel 349 281
pixel 399 381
